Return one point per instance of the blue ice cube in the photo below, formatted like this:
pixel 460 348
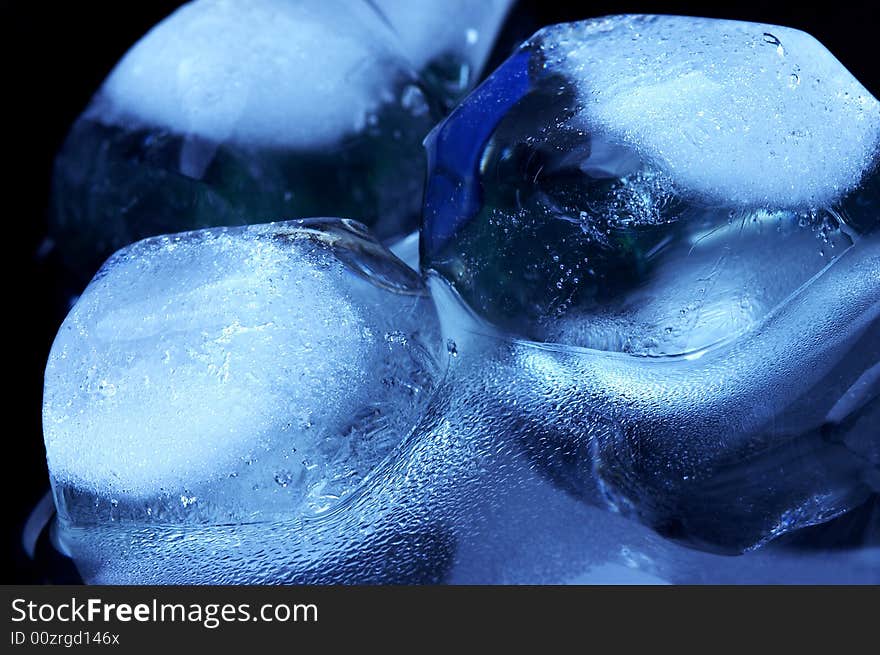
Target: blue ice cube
pixel 675 222
pixel 230 113
pixel 230 382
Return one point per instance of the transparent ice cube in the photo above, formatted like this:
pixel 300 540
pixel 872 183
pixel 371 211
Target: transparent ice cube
pixel 251 376
pixel 674 221
pixel 229 113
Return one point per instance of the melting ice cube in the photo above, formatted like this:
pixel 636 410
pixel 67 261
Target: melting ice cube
pixel 677 219
pixel 234 375
pixel 228 113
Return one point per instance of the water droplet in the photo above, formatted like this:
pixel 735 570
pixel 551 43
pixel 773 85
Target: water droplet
pixel 472 36
pixel 283 478
pixel 396 337
pixel 772 40
pixel 106 389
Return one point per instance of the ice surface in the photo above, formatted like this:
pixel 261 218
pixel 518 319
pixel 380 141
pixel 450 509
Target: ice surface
pixel 467 500
pixel 794 126
pixel 267 73
pixel 705 291
pixel 248 372
pixel 447 38
pixel 407 249
pixel 231 113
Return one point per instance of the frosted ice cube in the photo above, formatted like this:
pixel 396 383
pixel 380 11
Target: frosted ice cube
pixel 229 113
pixel 236 374
pixel 546 200
pixel 255 74
pixel 688 306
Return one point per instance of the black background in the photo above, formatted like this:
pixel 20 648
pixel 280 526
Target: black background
pixel 54 56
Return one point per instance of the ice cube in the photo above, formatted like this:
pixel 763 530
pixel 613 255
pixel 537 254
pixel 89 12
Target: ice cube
pixel 228 113
pixel 680 238
pixel 234 375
